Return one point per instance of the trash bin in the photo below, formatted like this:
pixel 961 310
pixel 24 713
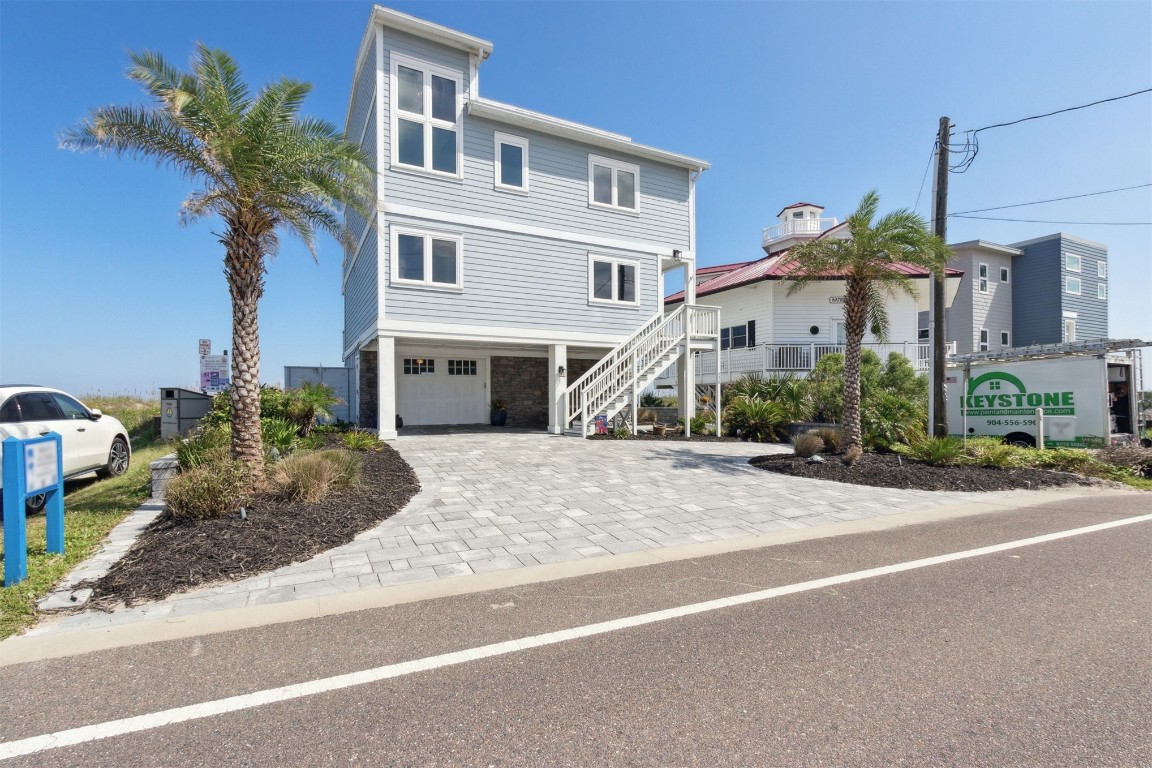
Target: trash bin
pixel 180 410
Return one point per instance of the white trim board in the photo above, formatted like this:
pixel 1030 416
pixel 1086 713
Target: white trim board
pixel 483 222
pixel 406 329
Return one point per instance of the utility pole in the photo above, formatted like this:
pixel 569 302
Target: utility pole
pixel 938 411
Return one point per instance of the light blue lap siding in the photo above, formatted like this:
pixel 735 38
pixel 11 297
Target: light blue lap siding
pixel 518 281
pixel 360 294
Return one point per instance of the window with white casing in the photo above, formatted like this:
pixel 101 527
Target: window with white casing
pixel 735 337
pixel 1069 329
pixel 1101 269
pixel 511 163
pixel 613 281
pixel 983 340
pixel 426 127
pixel 1102 291
pixel 1004 339
pixel 1003 274
pixel 1072 285
pixel 1072 262
pixel 612 184
pixel 426 259
pixel 983 278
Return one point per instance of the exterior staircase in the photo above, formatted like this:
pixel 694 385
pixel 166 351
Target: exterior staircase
pixel 615 383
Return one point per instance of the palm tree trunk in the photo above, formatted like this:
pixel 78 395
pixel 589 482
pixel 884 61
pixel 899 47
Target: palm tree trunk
pixel 855 318
pixel 244 268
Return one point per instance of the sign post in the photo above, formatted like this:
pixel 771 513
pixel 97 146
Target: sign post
pixel 32 466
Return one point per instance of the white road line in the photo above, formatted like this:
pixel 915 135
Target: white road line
pixel 73 736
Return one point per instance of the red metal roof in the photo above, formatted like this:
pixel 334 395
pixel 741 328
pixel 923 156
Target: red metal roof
pixel 799 205
pixel 779 267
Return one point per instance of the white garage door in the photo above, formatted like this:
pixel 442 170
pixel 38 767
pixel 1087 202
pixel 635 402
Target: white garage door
pixel 441 390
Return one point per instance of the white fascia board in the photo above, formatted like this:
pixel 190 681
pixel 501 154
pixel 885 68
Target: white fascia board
pixel 429 31
pixel 404 330
pixel 984 245
pixel 1061 236
pixel 506 113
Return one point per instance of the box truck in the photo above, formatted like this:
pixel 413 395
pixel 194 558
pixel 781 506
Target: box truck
pixel 1080 395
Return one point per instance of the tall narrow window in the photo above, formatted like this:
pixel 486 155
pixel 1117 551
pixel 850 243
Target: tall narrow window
pixel 611 183
pixel 1003 274
pixel 1101 269
pixel 1069 329
pixel 511 163
pixel 983 340
pixel 426 118
pixel 983 278
pixel 1101 291
pixel 1004 340
pixel 612 281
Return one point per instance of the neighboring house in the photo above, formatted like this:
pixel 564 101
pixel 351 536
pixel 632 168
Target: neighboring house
pixel 513 256
pixel 768 331
pixel 1047 290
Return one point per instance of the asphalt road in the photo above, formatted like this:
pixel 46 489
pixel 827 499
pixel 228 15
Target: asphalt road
pixel 1039 655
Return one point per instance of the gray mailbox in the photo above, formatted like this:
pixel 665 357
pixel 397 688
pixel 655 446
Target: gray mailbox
pixel 180 409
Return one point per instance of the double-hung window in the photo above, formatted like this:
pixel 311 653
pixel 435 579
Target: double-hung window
pixel 511 163
pixel 983 340
pixel 738 336
pixel 612 184
pixel 612 281
pixel 425 117
pixel 983 278
pixel 1101 291
pixel 426 260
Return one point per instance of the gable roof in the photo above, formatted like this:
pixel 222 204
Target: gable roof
pixel 779 267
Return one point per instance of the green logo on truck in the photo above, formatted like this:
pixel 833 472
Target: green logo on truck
pixel 997 398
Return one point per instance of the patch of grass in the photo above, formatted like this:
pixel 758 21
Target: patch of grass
pixel 310 477
pixel 138 415
pixel 360 440
pixel 937 451
pixel 91 509
pixel 807 445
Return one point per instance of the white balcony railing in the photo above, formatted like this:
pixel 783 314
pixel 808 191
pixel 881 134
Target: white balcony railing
pixel 799 359
pixel 796 227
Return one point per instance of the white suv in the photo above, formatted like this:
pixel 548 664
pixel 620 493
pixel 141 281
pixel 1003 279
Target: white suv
pixel 90 440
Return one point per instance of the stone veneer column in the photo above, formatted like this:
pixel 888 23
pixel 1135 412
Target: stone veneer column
pixel 368 374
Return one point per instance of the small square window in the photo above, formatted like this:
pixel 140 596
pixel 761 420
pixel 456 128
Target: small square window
pixel 461 367
pixel 1003 274
pixel 1072 262
pixel 1101 291
pixel 612 281
pixel 611 183
pixel 1004 339
pixel 419 366
pixel 922 334
pixel 1072 285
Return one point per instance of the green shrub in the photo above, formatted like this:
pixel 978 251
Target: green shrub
pixel 791 394
pixel 937 451
pixel 210 444
pixel 310 477
pixel 312 442
pixel 807 445
pixel 992 452
pixel 360 440
pixel 756 419
pixel 1063 459
pixel 279 435
pixel 621 432
pixel 208 490
pixel 308 402
pixel 887 419
pixel 830 436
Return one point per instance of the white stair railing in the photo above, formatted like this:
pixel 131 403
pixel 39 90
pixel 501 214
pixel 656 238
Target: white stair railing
pixel 635 363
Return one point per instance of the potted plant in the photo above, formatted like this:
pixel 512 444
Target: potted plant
pixel 650 416
pixel 499 413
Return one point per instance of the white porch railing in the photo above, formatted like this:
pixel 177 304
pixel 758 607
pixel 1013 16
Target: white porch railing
pixel 797 227
pixel 795 358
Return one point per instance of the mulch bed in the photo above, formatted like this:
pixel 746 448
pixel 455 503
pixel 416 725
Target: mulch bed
pixel 175 555
pixel 888 470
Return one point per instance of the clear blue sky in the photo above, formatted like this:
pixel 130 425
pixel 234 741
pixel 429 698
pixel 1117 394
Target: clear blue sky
pixel 102 290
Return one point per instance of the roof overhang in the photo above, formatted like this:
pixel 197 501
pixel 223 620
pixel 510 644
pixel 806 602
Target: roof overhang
pixel 429 31
pixel 525 118
pixel 984 245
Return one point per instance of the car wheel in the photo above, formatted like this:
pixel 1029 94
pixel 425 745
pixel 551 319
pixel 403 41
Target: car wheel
pixel 117 459
pixel 35 504
pixel 1021 440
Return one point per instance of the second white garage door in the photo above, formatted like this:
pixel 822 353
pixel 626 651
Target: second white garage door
pixel 441 390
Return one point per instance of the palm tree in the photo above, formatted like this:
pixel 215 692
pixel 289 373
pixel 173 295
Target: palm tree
pixel 258 165
pixel 872 262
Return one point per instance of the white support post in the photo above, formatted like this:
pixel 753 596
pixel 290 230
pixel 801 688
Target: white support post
pixel 690 393
pixel 386 387
pixel 635 391
pixel 558 404
pixel 716 403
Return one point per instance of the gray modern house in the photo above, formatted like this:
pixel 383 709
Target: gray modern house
pixel 513 256
pixel 1047 290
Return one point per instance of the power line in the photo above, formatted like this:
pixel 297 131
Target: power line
pixel 1046 221
pixel 925 176
pixel 971 146
pixel 1053 200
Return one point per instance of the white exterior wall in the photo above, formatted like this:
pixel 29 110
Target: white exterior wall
pixel 815 306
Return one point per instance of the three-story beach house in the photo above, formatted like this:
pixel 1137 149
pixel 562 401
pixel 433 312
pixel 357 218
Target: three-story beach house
pixel 513 256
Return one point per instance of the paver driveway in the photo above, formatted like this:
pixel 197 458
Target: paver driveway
pixel 496 500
